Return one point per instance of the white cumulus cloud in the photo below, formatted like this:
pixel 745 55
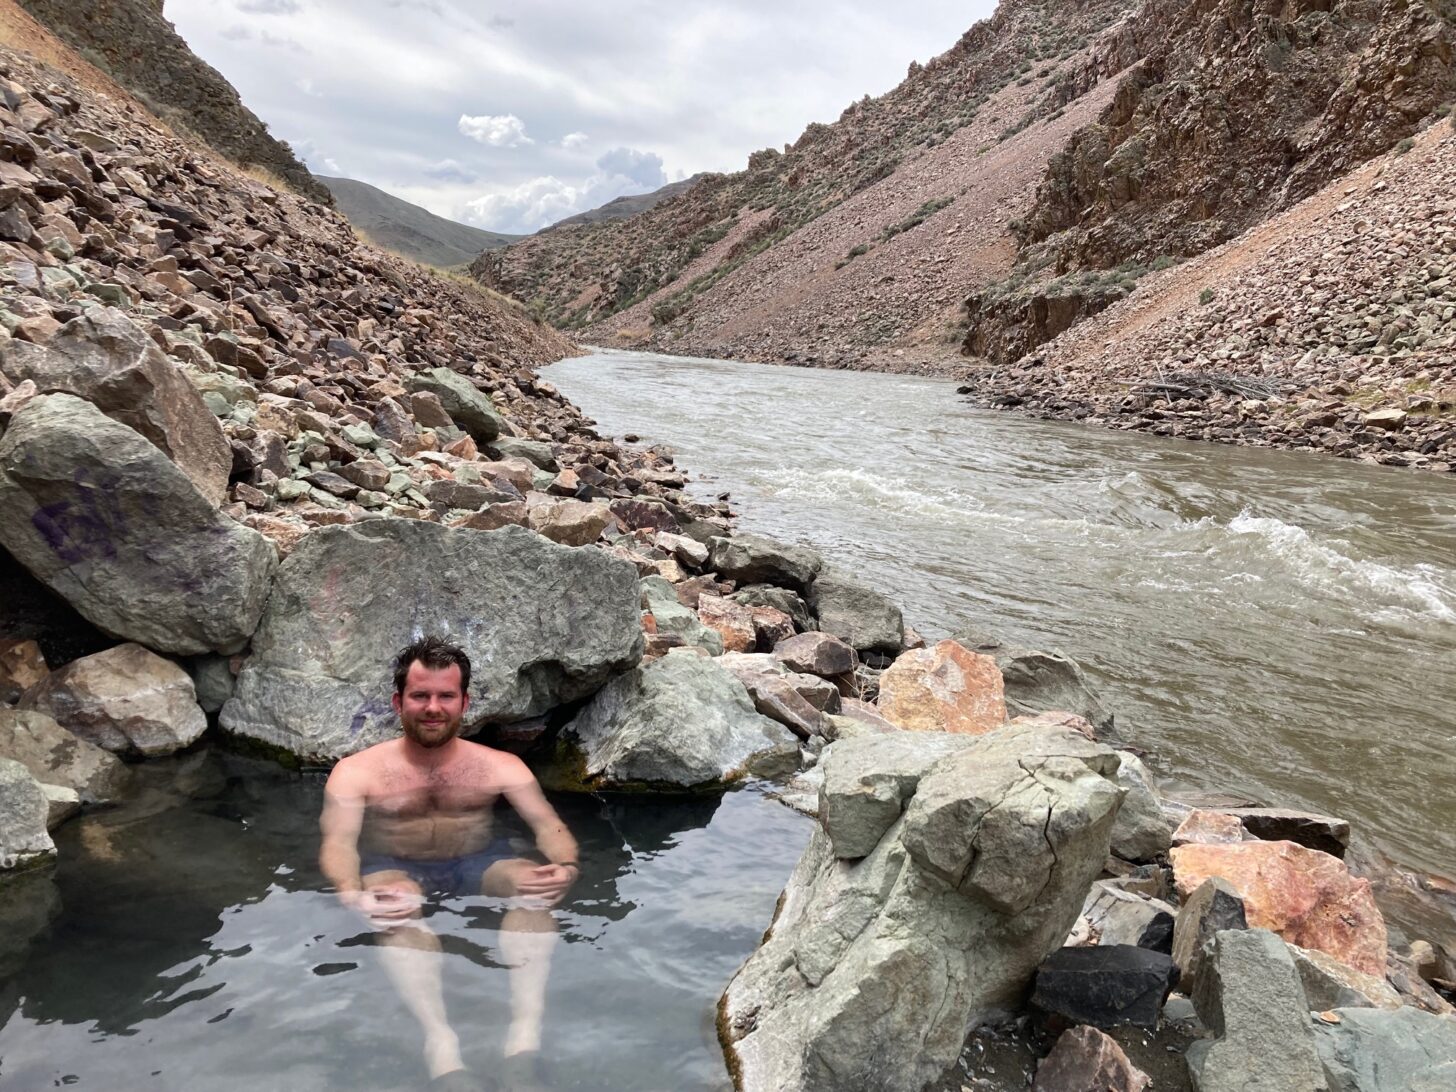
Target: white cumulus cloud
pixel 527 207
pixel 541 201
pixel 574 140
pixel 497 130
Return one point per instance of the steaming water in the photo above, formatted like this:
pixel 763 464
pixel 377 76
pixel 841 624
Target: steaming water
pixel 1270 623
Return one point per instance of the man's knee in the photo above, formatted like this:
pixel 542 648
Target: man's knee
pixel 502 879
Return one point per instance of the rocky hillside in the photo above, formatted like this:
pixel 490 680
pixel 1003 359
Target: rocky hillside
pixel 916 162
pixel 409 230
pixel 132 41
pixel 121 242
pixel 1331 327
pixel 1236 111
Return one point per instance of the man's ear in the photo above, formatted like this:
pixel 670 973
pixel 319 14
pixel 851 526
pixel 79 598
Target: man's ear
pixel 464 701
pixel 394 701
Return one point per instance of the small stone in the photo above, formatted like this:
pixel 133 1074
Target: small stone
pixel 570 522
pixel 22 665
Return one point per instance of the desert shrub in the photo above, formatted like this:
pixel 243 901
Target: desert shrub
pixel 1206 296
pixel 1404 146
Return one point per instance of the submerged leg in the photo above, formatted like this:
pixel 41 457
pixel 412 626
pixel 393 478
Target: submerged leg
pixel 528 937
pixel 411 957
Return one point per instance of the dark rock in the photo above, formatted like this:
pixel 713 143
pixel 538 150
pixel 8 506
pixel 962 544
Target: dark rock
pixel 1105 986
pixel 1322 832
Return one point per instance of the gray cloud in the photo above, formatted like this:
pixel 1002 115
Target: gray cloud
pixel 641 168
pixel 447 170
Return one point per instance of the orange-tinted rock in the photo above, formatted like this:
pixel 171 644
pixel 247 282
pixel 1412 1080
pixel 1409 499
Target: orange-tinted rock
pixel 771 625
pixel 732 620
pixel 1204 827
pixel 1307 897
pixel 944 688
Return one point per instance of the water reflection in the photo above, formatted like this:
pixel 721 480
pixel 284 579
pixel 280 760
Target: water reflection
pixel 197 947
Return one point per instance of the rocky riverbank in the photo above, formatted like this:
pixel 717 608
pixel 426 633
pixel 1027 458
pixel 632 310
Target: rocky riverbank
pixel 1330 328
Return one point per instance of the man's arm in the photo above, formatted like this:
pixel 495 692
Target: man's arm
pixel 549 882
pixel 340 823
pixel 552 838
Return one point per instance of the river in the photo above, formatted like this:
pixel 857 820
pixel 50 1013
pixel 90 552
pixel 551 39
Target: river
pixel 1271 623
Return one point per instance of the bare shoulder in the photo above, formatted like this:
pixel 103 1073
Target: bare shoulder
pixel 503 767
pixel 356 774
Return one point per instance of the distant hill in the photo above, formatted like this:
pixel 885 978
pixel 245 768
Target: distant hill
pixel 620 208
pixel 407 229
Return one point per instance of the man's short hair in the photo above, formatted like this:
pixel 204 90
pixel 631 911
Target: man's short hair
pixel 435 653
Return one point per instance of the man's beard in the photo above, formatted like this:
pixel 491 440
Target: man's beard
pixel 430 736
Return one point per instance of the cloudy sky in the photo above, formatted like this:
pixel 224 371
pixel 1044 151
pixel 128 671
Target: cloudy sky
pixel 511 116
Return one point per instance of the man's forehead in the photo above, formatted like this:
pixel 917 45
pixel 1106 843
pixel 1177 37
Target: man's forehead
pixel 421 675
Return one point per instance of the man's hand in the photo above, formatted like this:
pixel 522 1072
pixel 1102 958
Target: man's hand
pixel 548 883
pixel 385 905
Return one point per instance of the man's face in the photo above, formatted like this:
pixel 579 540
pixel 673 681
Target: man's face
pixel 432 705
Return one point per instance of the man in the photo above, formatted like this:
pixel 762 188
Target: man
pixel 412 817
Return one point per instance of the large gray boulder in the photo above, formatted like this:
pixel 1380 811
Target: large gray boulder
pixel 108 522
pixel 24 840
pixel 660 597
pixel 56 756
pixel 860 617
pixel 125 699
pixel 1249 995
pixel 753 559
pixel 543 624
pixel 681 722
pixel 105 358
pixel 879 963
pixel 468 407
pixel 1379 1050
